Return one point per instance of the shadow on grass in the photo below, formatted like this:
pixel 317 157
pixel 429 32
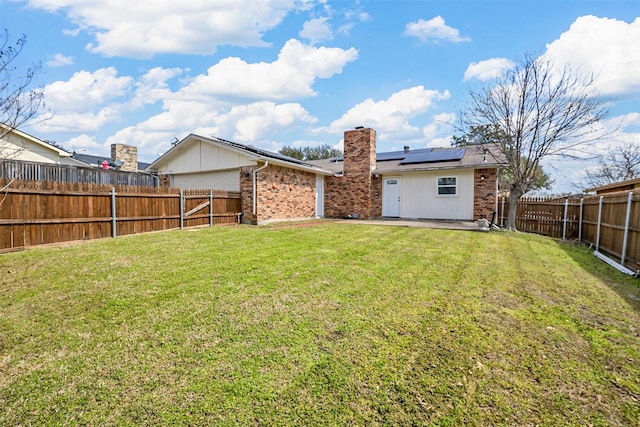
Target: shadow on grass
pixel 624 285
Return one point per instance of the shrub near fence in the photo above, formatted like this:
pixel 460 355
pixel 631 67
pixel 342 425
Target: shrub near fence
pixel 35 212
pixel 610 222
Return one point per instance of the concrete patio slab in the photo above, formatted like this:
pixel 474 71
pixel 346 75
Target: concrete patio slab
pixel 418 223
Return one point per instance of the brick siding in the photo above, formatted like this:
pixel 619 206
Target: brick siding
pixel 246 194
pixel 128 154
pixel 283 194
pixel 353 193
pixel 484 198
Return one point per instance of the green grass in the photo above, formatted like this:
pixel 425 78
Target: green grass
pixel 334 324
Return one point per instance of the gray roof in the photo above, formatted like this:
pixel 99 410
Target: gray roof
pixel 428 159
pixel 247 150
pixel 97 160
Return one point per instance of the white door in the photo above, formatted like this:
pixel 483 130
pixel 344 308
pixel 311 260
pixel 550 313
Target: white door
pixel 319 196
pixel 391 197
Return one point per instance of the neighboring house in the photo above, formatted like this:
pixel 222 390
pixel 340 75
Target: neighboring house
pixel 439 183
pixel 126 154
pixel 19 146
pixel 25 157
pixel 628 185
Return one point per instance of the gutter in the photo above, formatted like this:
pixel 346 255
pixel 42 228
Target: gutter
pixel 255 189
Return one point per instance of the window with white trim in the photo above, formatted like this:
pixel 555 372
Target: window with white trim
pixel 447 186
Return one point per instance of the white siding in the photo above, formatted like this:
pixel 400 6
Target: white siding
pixel 13 147
pixel 224 180
pixel 203 157
pixel 420 199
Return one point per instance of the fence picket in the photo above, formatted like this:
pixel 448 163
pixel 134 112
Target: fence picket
pixel 611 221
pixel 35 213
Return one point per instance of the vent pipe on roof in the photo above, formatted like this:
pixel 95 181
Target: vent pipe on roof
pixel 406 148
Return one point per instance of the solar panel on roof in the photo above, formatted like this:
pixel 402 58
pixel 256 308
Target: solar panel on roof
pixel 434 156
pixel 397 155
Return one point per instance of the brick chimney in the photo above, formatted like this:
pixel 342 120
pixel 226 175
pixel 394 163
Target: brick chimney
pixel 358 167
pixel 127 154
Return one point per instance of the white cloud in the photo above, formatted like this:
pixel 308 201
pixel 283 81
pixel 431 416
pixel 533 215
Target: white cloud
pixel 150 143
pixel 143 28
pixel 442 125
pixel 290 76
pixel 153 86
pixel 488 69
pixel 255 121
pixel 77 122
pixel 389 115
pixel 84 90
pixel 85 102
pixel 215 102
pixel 82 144
pixel 570 173
pixel 90 100
pixel 60 60
pixel 249 124
pixel 435 30
pixel 364 17
pixel 316 30
pixel 608 47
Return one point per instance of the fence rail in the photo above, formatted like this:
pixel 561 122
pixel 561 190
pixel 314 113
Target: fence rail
pixel 30 171
pixel 610 222
pixel 36 213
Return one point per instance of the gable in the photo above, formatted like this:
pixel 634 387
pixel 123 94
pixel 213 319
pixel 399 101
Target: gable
pixel 201 156
pixel 196 154
pixel 18 146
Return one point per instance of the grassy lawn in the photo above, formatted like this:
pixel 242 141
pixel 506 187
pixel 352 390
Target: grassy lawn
pixel 334 324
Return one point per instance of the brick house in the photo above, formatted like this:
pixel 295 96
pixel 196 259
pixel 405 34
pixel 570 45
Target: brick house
pixel 438 183
pixel 273 187
pixel 429 183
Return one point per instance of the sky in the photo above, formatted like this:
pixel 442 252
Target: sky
pixel 275 73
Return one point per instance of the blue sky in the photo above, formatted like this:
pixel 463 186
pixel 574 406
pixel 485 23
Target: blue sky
pixel 300 72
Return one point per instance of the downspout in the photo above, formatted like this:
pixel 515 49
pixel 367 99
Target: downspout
pixel 498 170
pixel 255 182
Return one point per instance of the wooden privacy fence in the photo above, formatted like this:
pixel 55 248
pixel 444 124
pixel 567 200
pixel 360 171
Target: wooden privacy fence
pixel 31 171
pixel 36 213
pixel 610 222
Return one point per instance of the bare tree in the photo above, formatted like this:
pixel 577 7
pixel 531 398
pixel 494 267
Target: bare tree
pixel 18 103
pixel 491 134
pixel 618 164
pixel 542 111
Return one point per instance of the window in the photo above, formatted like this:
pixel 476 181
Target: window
pixel 447 186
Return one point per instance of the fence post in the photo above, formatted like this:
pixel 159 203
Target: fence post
pixel 580 220
pixel 564 219
pixel 626 228
pixel 599 223
pixel 113 212
pixel 181 209
pixel 210 208
pixel 502 213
